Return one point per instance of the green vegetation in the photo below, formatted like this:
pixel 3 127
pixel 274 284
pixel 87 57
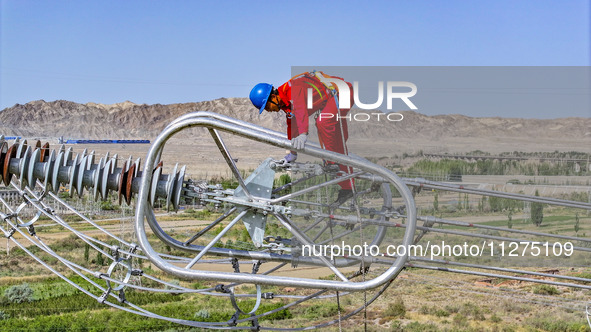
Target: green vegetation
pixel 109 206
pixel 417 327
pixel 52 304
pixel 533 155
pixel 436 202
pixel 99 259
pixel 498 204
pixel 86 252
pixel 227 183
pixel 436 311
pixel 202 314
pixel 537 212
pixel 281 181
pixel 545 290
pixel 452 170
pixel 19 294
pixel 554 325
pixel 319 310
pixel 397 309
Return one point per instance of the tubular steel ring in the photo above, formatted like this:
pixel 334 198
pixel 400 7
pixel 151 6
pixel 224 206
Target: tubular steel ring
pixel 256 305
pixel 33 220
pixel 127 264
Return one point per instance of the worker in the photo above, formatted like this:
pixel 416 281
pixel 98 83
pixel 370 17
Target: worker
pixel 292 98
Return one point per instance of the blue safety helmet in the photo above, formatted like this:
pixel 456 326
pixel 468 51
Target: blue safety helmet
pixel 259 95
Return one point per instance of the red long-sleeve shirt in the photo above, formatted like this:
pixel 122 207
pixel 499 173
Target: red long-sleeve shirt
pixel 294 96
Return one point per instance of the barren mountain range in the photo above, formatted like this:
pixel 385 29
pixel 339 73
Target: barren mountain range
pixel 432 133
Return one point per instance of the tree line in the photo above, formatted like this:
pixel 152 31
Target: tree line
pixel 494 167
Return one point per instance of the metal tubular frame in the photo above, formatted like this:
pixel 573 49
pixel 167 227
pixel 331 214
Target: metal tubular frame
pixel 215 239
pixel 249 131
pixel 226 154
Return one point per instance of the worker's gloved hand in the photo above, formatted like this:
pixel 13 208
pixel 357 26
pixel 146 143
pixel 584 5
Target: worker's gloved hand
pixel 290 157
pixel 299 142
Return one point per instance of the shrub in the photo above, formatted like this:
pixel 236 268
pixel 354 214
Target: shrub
pixel 418 327
pixel 107 206
pixel 396 326
pixel 471 310
pixel 424 310
pixel 460 320
pixel 556 325
pixel 452 309
pixel 4 315
pixel 283 180
pixel 173 282
pixel 281 314
pixel 19 293
pixel 451 209
pixel 585 275
pixel 441 313
pixel 321 310
pixel 515 307
pixel 202 314
pixel 545 290
pixel 99 259
pixel 396 309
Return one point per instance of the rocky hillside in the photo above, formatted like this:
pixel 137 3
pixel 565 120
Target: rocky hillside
pixel 132 121
pixel 116 121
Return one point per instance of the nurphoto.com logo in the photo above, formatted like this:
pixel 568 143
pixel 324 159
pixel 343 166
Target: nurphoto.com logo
pixel 344 99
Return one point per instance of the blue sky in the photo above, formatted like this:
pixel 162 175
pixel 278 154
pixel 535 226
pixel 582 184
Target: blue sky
pixel 186 51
